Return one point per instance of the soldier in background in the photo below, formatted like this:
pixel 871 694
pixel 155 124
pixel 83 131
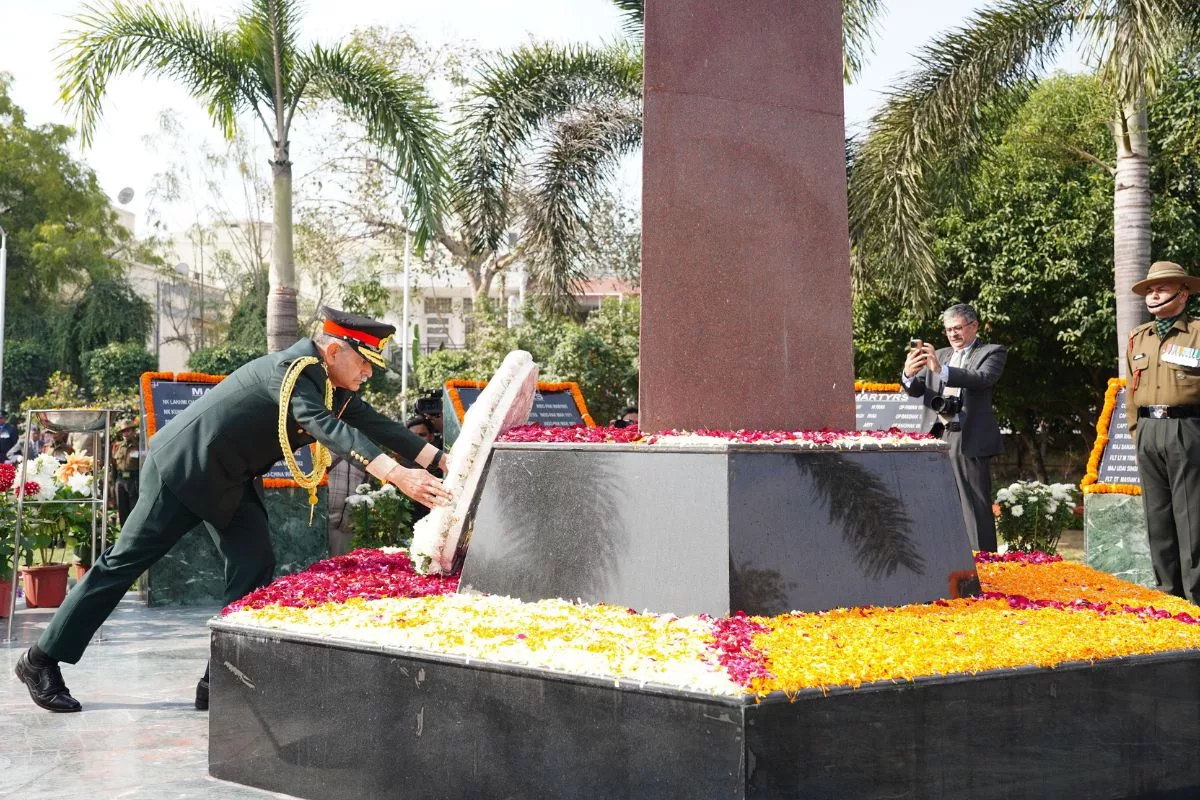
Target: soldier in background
pixel 126 461
pixel 1163 407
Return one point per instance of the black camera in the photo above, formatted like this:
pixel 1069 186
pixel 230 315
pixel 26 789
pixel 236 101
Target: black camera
pixel 946 406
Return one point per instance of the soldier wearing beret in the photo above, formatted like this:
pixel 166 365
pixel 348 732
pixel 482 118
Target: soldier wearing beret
pixel 206 466
pixel 1162 401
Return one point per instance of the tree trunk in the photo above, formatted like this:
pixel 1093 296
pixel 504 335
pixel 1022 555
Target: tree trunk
pixel 282 324
pixel 1131 220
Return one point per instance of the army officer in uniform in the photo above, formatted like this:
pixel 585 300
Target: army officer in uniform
pixel 1162 400
pixel 206 465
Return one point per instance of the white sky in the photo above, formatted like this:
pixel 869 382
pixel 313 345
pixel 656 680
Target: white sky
pixel 30 31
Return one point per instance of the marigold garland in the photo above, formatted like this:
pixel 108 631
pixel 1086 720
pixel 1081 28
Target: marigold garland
pixel 196 377
pixel 867 386
pixel 1036 610
pixel 1089 484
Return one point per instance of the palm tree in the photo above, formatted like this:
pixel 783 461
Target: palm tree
pixel 563 118
pixel 936 121
pixel 257 65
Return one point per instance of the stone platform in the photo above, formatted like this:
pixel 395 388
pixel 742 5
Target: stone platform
pixel 720 528
pixel 330 720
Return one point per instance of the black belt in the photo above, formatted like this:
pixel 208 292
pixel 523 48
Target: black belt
pixel 1168 412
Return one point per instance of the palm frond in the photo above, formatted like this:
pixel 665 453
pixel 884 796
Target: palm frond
pixel 859 23
pixel 1134 42
pixel 581 154
pixel 634 12
pixel 167 43
pixel 512 103
pixel 934 123
pixel 263 27
pixel 398 115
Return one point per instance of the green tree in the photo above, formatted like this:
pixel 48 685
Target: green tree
pixel 61 231
pixel 108 311
pixel 543 130
pixel 937 121
pixel 257 65
pixel 1027 243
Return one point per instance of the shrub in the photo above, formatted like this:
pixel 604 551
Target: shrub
pixel 116 367
pixel 224 358
pixel 1033 515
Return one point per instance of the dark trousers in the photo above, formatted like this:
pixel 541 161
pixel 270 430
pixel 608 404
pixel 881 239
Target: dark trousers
pixel 974 479
pixel 1168 457
pixel 157 522
pixel 127 494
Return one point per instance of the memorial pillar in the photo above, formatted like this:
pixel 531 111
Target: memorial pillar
pixel 745 248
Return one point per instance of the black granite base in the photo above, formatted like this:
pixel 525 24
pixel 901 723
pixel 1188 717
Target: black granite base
pixel 334 721
pixel 762 530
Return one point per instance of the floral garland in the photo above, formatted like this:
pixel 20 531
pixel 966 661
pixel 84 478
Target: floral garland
pixel 1036 610
pixel 821 439
pixel 196 377
pixel 1089 484
pixel 460 412
pixel 867 386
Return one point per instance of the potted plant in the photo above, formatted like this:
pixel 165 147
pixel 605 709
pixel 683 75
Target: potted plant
pixel 6 570
pixel 50 531
pixel 380 517
pixel 1033 514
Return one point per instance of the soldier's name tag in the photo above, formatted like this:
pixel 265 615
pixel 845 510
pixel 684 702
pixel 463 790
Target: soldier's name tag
pixel 1182 356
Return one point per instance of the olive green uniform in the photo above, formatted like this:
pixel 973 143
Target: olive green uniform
pixel 1163 407
pixel 206 466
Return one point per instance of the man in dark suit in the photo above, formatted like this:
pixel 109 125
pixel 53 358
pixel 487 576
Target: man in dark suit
pixel 955 385
pixel 206 466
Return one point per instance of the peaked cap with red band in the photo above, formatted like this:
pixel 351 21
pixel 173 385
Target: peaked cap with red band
pixel 367 336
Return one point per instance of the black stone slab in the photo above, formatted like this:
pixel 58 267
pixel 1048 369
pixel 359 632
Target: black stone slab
pixel 1118 461
pixel 874 411
pixel 332 720
pixel 712 531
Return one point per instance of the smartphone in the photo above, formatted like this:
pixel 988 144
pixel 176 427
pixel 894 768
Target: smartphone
pixel 914 344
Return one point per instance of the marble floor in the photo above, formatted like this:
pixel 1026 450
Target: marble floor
pixel 138 737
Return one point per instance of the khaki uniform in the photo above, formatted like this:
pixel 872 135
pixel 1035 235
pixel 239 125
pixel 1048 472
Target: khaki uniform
pixel 1168 449
pixel 126 465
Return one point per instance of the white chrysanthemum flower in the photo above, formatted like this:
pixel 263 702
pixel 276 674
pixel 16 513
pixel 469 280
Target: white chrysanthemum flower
pixel 362 488
pixel 1004 496
pixel 81 484
pixel 1017 511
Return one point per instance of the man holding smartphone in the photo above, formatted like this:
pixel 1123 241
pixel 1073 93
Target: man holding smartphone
pixel 956 385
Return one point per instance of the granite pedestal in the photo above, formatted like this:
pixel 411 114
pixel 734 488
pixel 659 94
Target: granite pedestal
pixel 687 530
pixel 193 573
pixel 331 720
pixel 1115 540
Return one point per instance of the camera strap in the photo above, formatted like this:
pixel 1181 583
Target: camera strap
pixel 956 362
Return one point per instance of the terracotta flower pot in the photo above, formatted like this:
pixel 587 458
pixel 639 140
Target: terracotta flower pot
pixel 5 597
pixel 45 586
pixel 79 570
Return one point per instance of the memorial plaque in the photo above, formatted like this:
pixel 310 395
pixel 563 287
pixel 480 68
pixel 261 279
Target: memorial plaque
pixel 555 405
pixel 882 410
pixel 1118 462
pixel 169 398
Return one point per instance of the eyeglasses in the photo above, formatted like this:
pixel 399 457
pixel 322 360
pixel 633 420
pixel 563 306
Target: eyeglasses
pixel 957 328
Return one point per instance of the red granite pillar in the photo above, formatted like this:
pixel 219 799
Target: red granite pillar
pixel 745 251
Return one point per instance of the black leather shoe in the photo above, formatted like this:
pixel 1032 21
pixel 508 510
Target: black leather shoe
pixel 202 695
pixel 46 686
